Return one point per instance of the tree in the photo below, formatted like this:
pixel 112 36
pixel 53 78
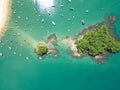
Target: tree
pixel 41 50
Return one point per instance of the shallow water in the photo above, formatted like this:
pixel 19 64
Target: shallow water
pixel 64 72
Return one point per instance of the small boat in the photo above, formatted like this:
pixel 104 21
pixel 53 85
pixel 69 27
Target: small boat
pixel 1 54
pixel 86 11
pixel 71 8
pixel 69 1
pixel 53 23
pixel 83 22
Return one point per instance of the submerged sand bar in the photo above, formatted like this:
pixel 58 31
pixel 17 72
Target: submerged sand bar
pixel 5 11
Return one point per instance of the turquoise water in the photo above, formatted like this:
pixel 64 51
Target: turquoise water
pixel 64 72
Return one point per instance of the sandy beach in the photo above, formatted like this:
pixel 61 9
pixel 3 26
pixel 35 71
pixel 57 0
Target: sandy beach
pixel 5 13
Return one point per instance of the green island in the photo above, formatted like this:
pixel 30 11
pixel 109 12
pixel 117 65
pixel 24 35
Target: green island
pixel 41 50
pixel 97 41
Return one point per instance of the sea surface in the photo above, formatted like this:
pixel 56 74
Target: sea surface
pixel 31 22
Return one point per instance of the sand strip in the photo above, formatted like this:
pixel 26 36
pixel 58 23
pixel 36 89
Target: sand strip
pixel 5 13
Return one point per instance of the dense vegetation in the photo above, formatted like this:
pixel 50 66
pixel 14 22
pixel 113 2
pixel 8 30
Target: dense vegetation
pixel 97 42
pixel 41 50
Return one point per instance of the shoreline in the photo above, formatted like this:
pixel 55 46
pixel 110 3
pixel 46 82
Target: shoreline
pixel 50 43
pixel 70 42
pixel 6 17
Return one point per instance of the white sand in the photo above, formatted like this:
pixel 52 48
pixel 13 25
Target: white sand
pixel 71 44
pixel 5 9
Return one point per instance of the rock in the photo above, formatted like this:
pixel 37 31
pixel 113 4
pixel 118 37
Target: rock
pixel 55 55
pixel 52 39
pixel 100 59
pixel 112 19
pixel 40 58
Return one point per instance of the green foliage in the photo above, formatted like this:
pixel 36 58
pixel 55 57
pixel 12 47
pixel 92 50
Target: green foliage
pixel 41 50
pixel 97 42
